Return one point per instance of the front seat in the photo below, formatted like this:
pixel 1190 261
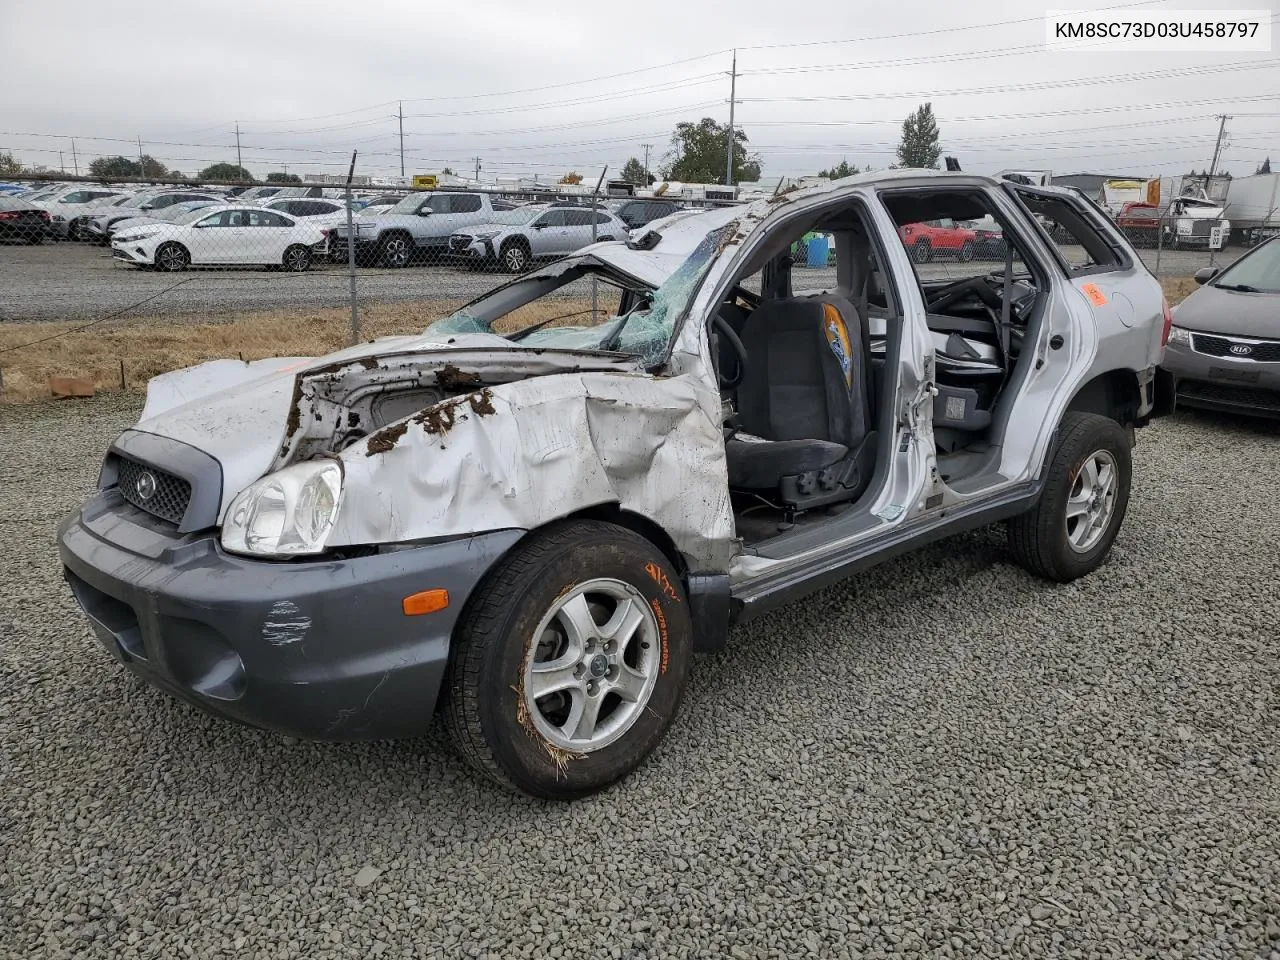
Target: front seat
pixel 804 411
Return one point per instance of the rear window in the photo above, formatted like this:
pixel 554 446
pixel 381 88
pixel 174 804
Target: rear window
pixel 1081 245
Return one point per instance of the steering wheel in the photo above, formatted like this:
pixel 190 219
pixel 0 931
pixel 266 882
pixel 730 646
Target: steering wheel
pixel 735 343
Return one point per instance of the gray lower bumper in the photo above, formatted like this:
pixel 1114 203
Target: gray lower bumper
pixel 1224 383
pixel 318 649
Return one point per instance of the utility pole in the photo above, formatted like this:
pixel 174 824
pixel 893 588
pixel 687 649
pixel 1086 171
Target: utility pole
pixel 61 166
pixel 142 167
pixel 646 162
pixel 733 93
pixel 1217 147
pixel 477 159
pixel 74 161
pixel 401 116
pixel 239 162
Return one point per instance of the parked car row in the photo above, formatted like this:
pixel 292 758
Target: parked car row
pixel 159 226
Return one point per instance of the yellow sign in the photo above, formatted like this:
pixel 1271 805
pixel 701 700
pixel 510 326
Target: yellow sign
pixel 426 181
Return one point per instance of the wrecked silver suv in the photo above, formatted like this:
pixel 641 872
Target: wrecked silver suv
pixel 535 525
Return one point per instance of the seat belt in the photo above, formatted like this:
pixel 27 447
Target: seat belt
pixel 1006 308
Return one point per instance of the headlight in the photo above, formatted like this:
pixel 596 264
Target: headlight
pixel 288 513
pixel 486 234
pixel 1180 335
pixel 132 237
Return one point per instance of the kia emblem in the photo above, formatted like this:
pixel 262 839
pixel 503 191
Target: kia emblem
pixel 1241 349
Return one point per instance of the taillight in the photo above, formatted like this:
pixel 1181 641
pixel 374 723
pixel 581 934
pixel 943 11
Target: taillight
pixel 1168 321
pixel 8 216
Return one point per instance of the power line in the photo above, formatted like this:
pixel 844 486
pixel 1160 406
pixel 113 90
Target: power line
pixel 1027 87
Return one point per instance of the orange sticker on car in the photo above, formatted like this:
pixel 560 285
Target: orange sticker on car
pixel 1096 296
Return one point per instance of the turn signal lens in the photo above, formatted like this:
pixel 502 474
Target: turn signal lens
pixel 1168 322
pixel 427 601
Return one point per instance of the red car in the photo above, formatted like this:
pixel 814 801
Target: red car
pixel 928 239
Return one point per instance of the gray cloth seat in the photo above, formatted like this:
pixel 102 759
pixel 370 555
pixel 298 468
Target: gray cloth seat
pixel 804 403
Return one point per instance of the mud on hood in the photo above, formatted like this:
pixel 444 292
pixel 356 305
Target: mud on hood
pixel 260 416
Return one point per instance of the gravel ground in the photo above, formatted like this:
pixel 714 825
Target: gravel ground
pixel 75 281
pixel 944 757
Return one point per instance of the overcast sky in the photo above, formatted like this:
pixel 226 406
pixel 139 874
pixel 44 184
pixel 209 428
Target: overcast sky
pixel 544 88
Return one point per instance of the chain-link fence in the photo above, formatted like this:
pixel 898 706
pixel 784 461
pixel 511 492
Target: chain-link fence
pixel 126 281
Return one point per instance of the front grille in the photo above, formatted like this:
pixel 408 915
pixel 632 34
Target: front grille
pixel 170 497
pixel 1262 400
pixel 1264 351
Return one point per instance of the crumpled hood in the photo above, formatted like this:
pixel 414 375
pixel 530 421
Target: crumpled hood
pixel 243 414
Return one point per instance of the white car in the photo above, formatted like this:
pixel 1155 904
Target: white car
pixel 225 235
pixel 169 214
pixel 75 202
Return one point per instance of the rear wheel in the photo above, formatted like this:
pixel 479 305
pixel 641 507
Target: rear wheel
pixel 1070 531
pixel 172 257
pixel 966 251
pixel 569 662
pixel 395 250
pixel 922 252
pixel 297 259
pixel 515 256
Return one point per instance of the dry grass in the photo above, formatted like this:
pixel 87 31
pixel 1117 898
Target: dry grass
pixel 1177 289
pixel 155 345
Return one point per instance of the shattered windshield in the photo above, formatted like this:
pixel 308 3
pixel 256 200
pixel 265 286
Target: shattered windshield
pixel 593 319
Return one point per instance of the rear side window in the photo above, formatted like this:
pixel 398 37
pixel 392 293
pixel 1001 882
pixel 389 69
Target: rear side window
pixel 468 203
pixel 577 218
pixel 603 218
pixel 1081 244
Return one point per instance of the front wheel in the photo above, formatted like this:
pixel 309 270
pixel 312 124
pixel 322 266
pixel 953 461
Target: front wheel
pixel 1070 531
pixel 922 252
pixel 394 251
pixel 172 257
pixel 570 661
pixel 515 257
pixel 966 251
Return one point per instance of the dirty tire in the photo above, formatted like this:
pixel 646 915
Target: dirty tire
pixel 484 704
pixel 922 252
pixel 966 251
pixel 515 256
pixel 172 257
pixel 1038 538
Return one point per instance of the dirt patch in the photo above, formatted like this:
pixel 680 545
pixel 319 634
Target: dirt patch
pixel 439 420
pixel 386 439
pixel 451 378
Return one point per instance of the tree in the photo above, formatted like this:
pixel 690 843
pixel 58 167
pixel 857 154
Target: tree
pixel 114 167
pixel 842 169
pixel 919 146
pixel 118 166
pixel 571 177
pixel 177 174
pixel 224 171
pixel 699 151
pixel 283 178
pixel 634 173
pixel 151 167
pixel 1265 167
pixel 446 172
pixel 9 166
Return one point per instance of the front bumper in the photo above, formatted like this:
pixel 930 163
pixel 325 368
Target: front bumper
pixel 1223 383
pixel 134 253
pixel 318 649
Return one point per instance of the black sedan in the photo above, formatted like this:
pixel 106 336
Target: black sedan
pixel 20 220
